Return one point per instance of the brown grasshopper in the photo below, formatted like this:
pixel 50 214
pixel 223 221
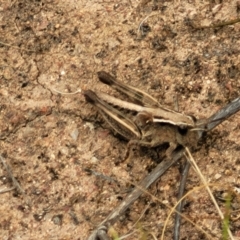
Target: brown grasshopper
pixel 153 124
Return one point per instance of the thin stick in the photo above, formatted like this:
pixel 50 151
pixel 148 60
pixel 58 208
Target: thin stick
pixel 7 190
pixel 13 46
pixel 15 182
pixel 217 25
pixel 173 209
pixel 191 160
pixel 180 205
pixel 220 116
pixel 136 193
pixel 71 93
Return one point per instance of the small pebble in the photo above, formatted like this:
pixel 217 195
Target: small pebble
pixel 217 176
pixel 74 134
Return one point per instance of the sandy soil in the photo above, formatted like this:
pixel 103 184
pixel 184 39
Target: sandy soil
pixel 50 139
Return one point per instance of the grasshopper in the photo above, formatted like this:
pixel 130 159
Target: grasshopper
pixel 152 125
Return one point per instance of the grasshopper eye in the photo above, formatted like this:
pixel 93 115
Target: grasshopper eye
pixel 183 130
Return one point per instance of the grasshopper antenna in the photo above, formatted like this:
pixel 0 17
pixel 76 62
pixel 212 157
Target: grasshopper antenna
pixel 63 93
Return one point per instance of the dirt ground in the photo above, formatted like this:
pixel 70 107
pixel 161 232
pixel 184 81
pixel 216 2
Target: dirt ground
pixel 49 140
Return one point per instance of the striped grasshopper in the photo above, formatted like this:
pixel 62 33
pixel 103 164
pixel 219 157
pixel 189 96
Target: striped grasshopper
pixel 152 125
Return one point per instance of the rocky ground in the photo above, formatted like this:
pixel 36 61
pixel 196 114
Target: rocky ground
pixel 170 49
